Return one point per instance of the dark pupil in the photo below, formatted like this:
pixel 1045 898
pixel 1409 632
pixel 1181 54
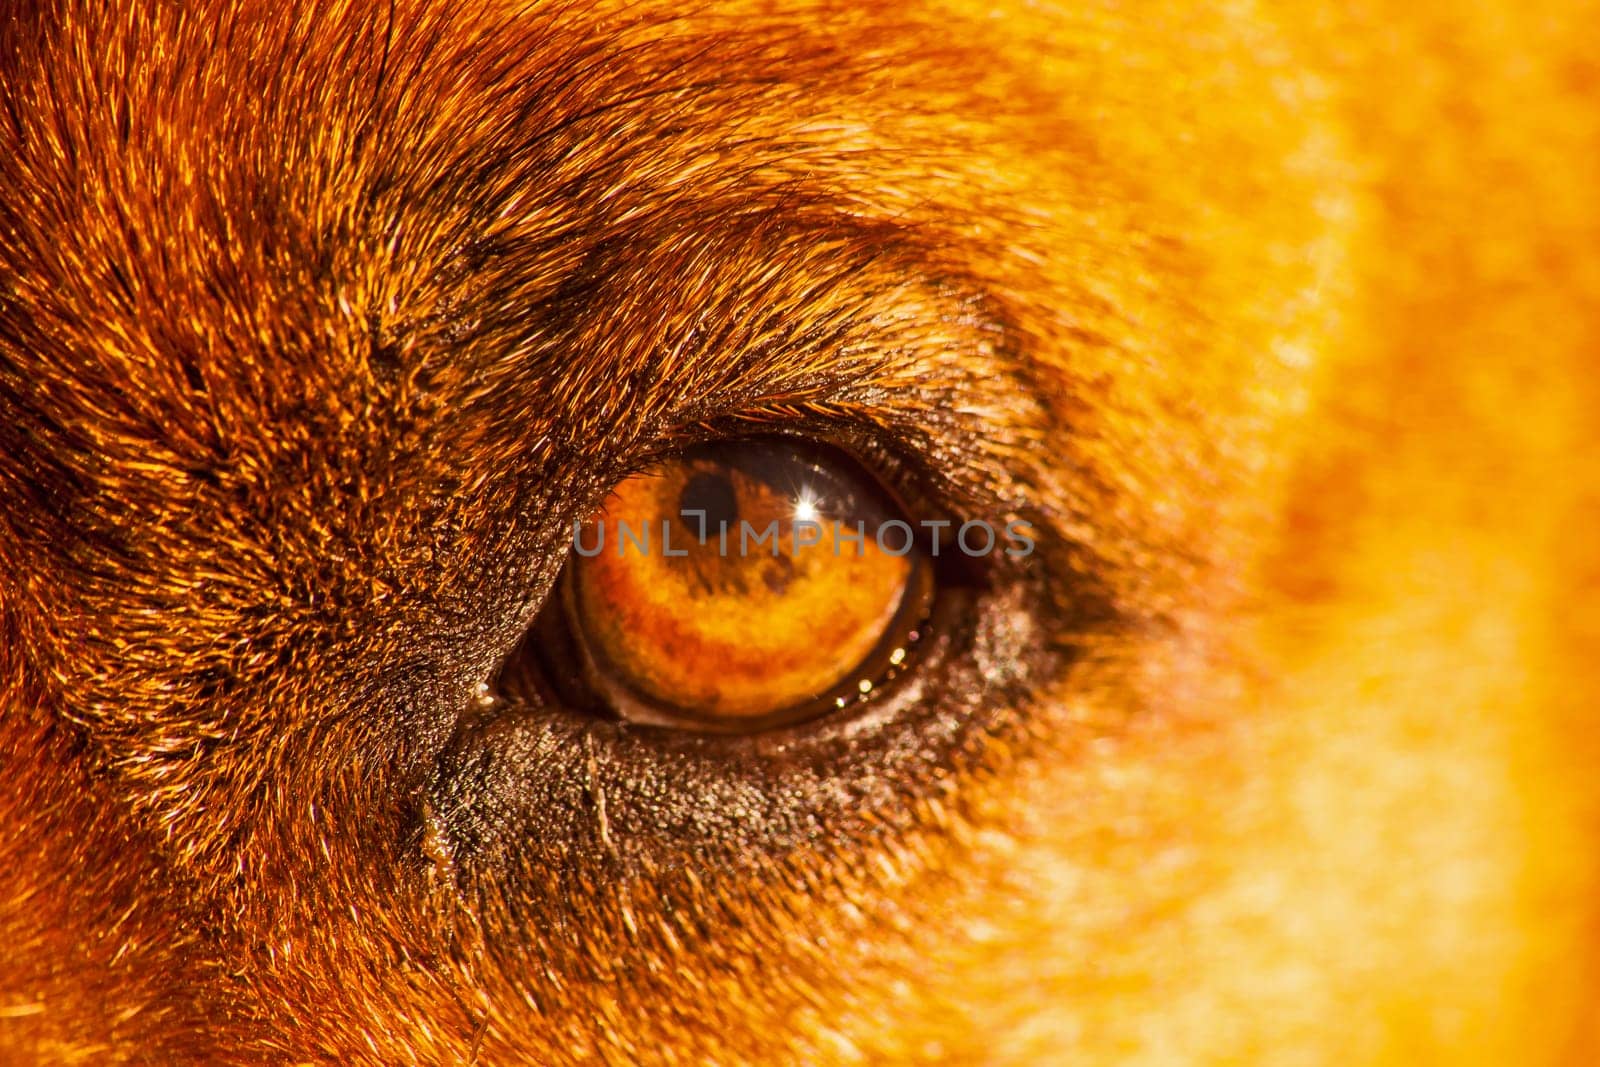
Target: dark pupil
pixel 712 494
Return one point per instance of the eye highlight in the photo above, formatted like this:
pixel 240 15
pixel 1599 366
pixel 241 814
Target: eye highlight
pixel 743 585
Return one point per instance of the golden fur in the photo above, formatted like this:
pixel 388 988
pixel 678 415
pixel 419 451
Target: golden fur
pixel 319 323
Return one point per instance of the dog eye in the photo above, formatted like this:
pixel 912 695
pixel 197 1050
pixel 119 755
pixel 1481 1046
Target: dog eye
pixel 739 586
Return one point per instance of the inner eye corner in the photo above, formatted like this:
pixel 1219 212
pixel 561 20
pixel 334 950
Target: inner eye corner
pixel 738 586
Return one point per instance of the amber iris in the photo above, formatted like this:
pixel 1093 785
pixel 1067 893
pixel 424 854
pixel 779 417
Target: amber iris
pixel 745 584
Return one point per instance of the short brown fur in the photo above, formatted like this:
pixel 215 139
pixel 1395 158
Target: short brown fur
pixel 319 324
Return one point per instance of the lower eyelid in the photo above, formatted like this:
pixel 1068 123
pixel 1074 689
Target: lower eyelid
pixel 520 777
pixel 520 782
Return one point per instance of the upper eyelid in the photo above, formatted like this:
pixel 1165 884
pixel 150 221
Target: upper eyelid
pixel 828 314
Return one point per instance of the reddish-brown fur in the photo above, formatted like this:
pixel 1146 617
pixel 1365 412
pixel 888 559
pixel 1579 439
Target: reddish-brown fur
pixel 320 323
